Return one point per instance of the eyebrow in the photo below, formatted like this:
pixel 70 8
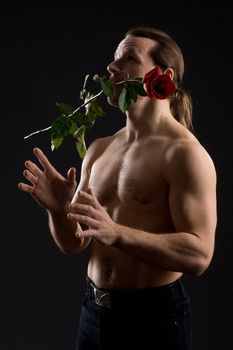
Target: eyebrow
pixel 129 50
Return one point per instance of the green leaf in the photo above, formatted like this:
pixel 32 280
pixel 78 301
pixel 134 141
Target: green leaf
pixel 139 89
pixel 93 110
pixel 94 107
pixel 124 100
pixel 72 128
pixel 80 141
pixel 56 142
pixel 64 108
pixel 106 86
pixel 79 118
pixel 61 127
pixel 80 131
pixel 132 92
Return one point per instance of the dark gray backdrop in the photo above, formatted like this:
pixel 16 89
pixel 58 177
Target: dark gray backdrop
pixel 45 53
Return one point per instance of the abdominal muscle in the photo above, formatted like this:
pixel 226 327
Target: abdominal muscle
pixel 113 269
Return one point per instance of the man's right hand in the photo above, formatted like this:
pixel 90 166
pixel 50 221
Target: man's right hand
pixel 49 188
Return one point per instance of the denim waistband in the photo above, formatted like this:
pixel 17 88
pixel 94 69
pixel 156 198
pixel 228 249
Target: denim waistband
pixel 172 292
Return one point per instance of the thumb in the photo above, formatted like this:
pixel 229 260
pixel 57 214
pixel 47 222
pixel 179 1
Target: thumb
pixel 71 175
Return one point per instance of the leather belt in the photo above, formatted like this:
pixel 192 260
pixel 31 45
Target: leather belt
pixel 105 298
pixel 101 297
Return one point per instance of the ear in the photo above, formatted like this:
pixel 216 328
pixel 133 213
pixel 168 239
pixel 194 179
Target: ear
pixel 170 73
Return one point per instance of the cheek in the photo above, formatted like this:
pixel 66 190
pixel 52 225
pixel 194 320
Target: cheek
pixel 141 72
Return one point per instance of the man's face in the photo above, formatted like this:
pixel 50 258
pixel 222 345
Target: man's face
pixel 131 60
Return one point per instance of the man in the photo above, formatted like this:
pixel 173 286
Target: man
pixel 146 201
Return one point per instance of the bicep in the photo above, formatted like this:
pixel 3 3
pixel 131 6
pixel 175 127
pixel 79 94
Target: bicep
pixel 192 195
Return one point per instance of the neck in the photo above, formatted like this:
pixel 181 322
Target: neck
pixel 145 118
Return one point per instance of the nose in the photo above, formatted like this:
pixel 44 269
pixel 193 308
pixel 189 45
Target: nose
pixel 113 67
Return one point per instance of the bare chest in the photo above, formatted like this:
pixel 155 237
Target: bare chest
pixel 133 177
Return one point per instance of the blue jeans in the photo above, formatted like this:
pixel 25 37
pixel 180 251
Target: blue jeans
pixel 150 318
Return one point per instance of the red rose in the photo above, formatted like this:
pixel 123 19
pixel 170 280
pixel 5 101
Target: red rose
pixel 158 85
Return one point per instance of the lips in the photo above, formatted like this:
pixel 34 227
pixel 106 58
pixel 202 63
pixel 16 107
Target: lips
pixel 118 81
pixel 118 78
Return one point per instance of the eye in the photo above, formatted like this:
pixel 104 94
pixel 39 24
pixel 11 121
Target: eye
pixel 131 58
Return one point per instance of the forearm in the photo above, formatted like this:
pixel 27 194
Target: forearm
pixel 176 251
pixel 63 232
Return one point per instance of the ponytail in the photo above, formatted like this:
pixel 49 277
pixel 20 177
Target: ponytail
pixel 181 108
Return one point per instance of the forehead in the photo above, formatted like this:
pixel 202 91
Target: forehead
pixel 134 43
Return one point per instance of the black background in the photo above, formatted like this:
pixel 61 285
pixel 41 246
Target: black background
pixel 46 50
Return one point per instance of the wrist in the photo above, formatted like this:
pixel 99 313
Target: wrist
pixel 118 235
pixel 59 211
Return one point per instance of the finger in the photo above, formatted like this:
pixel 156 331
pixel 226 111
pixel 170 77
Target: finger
pixel 97 203
pixel 90 191
pixel 71 176
pixel 43 159
pixel 84 233
pixel 83 219
pixel 30 177
pixel 33 168
pixel 90 198
pixel 25 188
pixel 79 208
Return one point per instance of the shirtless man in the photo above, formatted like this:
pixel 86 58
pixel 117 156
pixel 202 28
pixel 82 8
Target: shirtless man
pixel 146 201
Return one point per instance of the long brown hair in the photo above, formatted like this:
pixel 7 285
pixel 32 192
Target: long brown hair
pixel 167 54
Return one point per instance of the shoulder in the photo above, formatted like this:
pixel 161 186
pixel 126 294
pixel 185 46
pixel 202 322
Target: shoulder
pixel 98 147
pixel 188 158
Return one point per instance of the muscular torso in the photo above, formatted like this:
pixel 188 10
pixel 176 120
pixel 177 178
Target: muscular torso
pixel 129 182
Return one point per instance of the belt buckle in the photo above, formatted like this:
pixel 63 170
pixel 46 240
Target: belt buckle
pixel 101 298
